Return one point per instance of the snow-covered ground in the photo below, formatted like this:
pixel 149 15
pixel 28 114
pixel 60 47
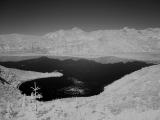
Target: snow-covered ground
pixel 133 97
pixel 136 96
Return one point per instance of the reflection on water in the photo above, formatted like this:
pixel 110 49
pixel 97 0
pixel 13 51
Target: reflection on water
pixel 74 90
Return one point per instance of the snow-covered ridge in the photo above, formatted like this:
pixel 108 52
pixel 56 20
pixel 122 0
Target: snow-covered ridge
pixel 76 42
pixel 16 76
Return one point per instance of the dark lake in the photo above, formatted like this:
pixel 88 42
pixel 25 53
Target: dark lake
pixel 81 77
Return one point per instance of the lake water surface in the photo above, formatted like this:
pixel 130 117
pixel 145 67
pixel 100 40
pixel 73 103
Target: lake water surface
pixel 81 77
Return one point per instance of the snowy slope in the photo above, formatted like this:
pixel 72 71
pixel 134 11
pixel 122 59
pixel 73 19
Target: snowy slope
pixel 133 97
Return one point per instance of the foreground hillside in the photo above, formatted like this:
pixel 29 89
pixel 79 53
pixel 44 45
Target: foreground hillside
pixel 133 97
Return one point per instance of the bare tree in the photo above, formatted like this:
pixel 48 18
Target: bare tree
pixel 35 95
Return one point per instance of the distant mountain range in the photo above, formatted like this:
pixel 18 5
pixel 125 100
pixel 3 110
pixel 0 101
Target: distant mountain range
pixel 76 42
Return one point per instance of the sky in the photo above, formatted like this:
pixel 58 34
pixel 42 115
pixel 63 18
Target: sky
pixel 38 17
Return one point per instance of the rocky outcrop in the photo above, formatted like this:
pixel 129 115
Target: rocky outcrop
pixel 7 76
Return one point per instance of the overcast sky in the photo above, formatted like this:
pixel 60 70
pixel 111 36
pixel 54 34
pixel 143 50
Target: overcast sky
pixel 39 17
